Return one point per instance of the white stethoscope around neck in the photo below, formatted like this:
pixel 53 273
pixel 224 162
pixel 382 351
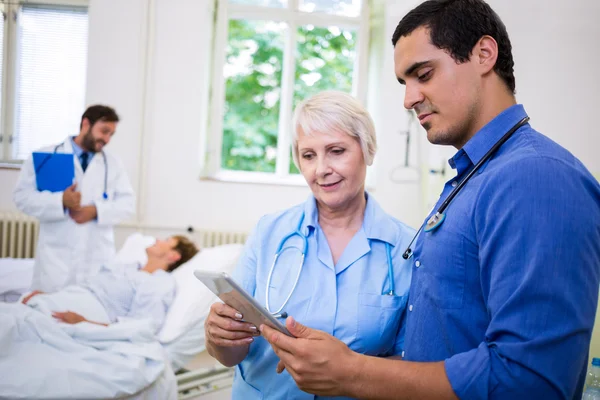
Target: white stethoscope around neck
pixel 280 249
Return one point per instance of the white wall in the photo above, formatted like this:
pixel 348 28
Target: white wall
pixel 156 80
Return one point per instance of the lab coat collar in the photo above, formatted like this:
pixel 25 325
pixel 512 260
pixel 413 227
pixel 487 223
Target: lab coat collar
pixel 66 147
pixel 377 225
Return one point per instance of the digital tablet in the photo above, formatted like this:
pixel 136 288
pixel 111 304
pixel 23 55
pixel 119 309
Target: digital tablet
pixel 234 296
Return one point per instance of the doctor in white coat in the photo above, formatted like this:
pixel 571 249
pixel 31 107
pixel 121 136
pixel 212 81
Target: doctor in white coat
pixel 76 226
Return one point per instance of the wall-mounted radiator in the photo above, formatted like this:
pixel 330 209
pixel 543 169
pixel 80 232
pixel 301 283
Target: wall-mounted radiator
pixel 18 235
pixel 203 238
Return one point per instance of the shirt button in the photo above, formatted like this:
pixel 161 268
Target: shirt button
pixel 454 184
pixel 417 263
pixel 402 353
pixel 410 307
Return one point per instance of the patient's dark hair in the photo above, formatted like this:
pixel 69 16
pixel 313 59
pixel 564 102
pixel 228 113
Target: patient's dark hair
pixel 186 249
pixel 99 113
pixel 456 26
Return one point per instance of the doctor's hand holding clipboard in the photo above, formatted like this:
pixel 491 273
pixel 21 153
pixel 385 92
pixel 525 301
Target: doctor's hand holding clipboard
pixel 55 172
pixel 72 201
pixel 71 198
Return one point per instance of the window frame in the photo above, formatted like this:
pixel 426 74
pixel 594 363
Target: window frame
pixel 9 10
pixel 294 18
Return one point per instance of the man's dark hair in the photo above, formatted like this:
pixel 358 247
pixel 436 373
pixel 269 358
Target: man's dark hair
pixel 99 113
pixel 186 249
pixel 456 26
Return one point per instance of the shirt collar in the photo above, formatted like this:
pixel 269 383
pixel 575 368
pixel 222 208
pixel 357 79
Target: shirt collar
pixel 78 151
pixel 377 225
pixel 484 140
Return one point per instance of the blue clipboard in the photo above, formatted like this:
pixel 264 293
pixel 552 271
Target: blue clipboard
pixel 53 171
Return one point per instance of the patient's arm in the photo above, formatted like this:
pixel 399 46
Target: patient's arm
pixel 73 318
pixel 30 295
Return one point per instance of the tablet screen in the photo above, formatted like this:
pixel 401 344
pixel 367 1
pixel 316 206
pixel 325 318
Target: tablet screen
pixel 234 296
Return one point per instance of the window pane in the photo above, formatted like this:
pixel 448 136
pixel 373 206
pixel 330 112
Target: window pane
pixel 349 8
pixel 324 61
pixel 262 3
pixel 253 85
pixel 52 61
pixel 1 65
pixel 293 169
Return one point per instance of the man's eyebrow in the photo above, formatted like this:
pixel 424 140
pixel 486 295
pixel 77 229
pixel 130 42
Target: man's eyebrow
pixel 410 70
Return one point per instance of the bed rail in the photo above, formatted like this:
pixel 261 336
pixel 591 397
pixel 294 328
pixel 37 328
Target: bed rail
pixel 198 383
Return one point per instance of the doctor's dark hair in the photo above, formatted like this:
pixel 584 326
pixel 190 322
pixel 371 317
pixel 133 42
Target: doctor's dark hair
pixel 186 249
pixel 456 26
pixel 99 113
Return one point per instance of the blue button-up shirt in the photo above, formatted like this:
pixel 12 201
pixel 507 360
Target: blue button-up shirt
pixel 348 299
pixel 505 290
pixel 78 151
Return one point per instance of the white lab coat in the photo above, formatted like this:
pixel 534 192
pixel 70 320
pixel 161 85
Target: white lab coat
pixel 68 253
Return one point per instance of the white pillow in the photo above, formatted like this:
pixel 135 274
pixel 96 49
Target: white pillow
pixel 193 299
pixel 134 249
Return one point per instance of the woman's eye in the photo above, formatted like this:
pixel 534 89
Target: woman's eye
pixel 424 77
pixel 307 156
pixel 337 151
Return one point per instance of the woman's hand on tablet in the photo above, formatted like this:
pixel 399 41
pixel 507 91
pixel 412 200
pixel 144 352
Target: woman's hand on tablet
pixel 224 327
pixel 228 338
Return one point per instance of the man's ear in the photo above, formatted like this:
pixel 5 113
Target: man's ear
pixel 174 256
pixel 85 124
pixel 485 54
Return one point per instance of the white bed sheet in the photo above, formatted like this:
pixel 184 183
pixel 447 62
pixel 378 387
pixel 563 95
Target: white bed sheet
pixel 44 359
pixel 183 349
pixel 164 387
pixel 15 278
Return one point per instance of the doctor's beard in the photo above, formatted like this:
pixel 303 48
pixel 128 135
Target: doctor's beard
pixel 89 143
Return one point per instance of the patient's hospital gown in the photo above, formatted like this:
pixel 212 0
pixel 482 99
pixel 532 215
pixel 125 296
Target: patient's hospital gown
pixel 127 291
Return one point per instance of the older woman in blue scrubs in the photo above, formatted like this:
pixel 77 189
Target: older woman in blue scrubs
pixel 343 287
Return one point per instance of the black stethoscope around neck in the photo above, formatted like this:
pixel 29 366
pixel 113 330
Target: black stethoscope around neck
pixel 438 218
pixel 105 192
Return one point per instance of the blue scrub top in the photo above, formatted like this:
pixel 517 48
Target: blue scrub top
pixel 347 300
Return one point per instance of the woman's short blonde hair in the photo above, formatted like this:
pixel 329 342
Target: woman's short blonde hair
pixel 331 111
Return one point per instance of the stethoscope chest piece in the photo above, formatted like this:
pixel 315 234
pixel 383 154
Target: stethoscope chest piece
pixel 435 221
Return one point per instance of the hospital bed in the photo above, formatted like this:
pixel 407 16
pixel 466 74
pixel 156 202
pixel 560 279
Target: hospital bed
pixel 182 336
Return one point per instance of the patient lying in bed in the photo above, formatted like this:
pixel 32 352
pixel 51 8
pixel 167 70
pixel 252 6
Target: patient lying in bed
pixel 120 290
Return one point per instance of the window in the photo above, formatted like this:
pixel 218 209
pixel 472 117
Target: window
pixel 45 74
pixel 270 55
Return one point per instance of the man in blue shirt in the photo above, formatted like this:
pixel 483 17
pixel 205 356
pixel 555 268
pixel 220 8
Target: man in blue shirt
pixel 504 291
